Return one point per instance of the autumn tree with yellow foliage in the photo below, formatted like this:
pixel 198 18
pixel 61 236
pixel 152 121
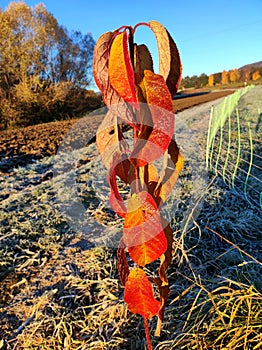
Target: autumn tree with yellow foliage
pixel 42 65
pixel 256 75
pixel 225 78
pixel 234 75
pixel 211 80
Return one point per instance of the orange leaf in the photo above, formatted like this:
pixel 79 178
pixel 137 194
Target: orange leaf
pixel 163 47
pixel 121 71
pixel 139 294
pixel 156 91
pixel 160 118
pixel 170 66
pixel 111 97
pixel 143 232
pixel 149 176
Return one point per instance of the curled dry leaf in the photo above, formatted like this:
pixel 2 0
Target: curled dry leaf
pixel 163 47
pixel 110 139
pixel 170 66
pixel 100 62
pixel 143 61
pixel 175 74
pixel 173 165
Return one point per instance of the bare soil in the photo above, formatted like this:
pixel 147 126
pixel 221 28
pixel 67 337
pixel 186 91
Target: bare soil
pixel 25 145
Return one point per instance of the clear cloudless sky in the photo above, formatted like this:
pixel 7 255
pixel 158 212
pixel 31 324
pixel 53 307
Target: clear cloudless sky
pixel 211 35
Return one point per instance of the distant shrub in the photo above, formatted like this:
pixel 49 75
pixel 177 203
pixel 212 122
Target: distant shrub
pixel 45 103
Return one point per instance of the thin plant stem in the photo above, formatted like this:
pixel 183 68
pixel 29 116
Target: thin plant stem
pixel 149 346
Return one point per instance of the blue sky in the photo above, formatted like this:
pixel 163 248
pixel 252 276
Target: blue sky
pixel 211 35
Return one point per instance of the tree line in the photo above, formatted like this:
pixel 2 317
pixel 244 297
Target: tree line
pixel 235 76
pixel 222 78
pixel 44 69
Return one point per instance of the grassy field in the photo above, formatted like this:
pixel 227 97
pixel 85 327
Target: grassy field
pixel 59 284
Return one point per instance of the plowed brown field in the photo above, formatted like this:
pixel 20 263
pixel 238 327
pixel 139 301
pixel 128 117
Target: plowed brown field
pixel 20 146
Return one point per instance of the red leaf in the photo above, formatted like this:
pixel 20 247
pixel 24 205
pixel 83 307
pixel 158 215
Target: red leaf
pixel 121 71
pixel 143 232
pixel 112 99
pixel 139 294
pixel 100 61
pixel 151 147
pixel 115 199
pixel 123 167
pixel 122 264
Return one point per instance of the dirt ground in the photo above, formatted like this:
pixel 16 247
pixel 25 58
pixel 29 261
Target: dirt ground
pixel 25 145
